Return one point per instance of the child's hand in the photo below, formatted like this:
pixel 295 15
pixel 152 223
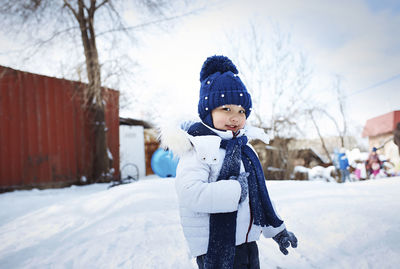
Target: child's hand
pixel 284 240
pixel 242 178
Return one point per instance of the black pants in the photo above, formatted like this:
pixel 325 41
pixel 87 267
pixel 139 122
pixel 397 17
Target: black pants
pixel 246 257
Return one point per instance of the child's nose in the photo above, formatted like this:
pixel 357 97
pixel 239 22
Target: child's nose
pixel 235 119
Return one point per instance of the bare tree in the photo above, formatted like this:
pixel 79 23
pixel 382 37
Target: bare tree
pixel 324 114
pixel 337 85
pixel 63 17
pixel 276 75
pixel 310 113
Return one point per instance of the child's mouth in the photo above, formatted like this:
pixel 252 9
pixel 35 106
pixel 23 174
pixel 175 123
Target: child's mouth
pixel 231 127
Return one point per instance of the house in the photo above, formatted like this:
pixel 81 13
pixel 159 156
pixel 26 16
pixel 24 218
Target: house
pixel 379 131
pixel 46 138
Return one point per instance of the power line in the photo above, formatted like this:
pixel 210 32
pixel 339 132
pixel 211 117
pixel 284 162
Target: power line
pixel 374 85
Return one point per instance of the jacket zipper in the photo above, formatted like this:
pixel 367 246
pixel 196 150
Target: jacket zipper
pixel 251 215
pixel 250 224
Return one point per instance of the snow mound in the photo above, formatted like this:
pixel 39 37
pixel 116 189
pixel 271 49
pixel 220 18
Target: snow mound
pixel 137 225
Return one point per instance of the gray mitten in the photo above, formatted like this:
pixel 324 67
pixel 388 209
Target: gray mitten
pixel 242 179
pixel 284 240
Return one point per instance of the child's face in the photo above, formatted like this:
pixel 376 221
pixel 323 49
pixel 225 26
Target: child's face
pixel 229 117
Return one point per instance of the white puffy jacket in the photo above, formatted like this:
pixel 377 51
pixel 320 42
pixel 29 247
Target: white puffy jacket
pixel 200 194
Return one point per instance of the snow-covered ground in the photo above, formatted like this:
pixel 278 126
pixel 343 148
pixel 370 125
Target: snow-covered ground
pixel 350 225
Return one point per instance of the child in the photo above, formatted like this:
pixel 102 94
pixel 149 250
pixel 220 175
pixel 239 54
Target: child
pixel 373 164
pixel 224 203
pixel 344 166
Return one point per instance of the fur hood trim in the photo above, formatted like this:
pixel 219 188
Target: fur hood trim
pixel 175 138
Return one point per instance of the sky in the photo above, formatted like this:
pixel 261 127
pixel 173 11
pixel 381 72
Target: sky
pixel 358 40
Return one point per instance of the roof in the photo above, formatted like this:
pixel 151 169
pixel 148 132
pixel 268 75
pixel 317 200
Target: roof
pixel 382 124
pixel 133 122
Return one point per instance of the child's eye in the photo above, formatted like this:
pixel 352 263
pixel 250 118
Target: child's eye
pixel 242 111
pixel 226 109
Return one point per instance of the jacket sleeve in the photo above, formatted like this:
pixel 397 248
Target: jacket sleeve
pixel 196 193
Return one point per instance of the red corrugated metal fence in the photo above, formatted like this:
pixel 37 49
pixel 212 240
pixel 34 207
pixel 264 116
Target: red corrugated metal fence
pixel 45 134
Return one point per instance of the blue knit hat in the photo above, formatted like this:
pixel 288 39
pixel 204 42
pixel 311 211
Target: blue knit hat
pixel 220 85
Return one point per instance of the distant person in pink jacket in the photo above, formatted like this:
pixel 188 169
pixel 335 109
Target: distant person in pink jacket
pixel 373 163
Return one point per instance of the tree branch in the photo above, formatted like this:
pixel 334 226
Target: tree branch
pixel 68 5
pixel 310 113
pixel 130 28
pixel 101 4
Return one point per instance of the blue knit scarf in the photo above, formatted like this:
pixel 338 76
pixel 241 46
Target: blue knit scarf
pixel 221 245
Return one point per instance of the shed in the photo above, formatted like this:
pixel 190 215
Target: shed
pixel 131 133
pixel 273 158
pixel 45 131
pixel 132 147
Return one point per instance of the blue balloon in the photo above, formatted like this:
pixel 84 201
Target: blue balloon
pixel 164 163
